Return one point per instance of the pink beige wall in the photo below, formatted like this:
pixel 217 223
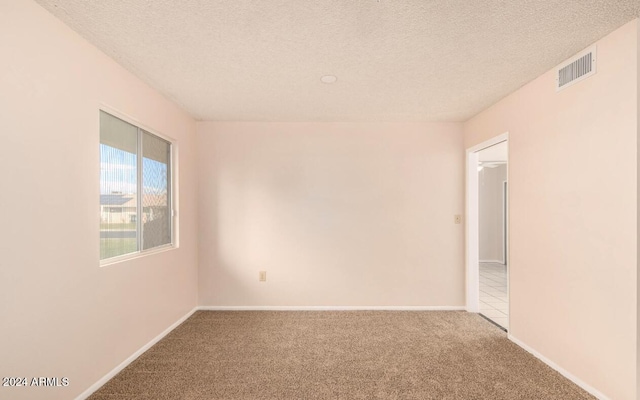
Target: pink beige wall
pixel 573 216
pixel 62 315
pixel 338 214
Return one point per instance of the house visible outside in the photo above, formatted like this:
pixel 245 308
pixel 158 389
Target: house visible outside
pixel 118 223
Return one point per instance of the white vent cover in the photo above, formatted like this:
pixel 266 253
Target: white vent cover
pixel 576 69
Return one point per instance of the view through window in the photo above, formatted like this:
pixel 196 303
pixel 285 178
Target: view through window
pixel 135 189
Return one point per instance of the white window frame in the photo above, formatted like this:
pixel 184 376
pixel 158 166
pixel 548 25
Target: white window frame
pixel 172 190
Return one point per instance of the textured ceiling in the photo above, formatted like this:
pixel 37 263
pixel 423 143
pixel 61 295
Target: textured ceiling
pixel 395 60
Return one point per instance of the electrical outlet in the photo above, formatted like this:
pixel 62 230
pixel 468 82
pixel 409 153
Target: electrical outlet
pixel 262 276
pixel 457 219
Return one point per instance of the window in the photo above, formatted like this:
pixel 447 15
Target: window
pixel 135 189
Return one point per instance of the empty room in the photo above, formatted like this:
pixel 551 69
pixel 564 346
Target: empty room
pixel 275 199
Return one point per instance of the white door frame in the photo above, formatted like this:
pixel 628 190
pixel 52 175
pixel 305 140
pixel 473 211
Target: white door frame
pixel 472 222
pixel 505 220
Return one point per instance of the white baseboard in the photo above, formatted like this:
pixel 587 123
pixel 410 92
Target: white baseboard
pixel 132 357
pixel 332 308
pixel 599 395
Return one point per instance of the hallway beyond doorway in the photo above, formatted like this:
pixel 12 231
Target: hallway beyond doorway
pixel 493 293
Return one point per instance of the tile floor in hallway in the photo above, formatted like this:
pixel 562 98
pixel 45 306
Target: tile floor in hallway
pixel 494 303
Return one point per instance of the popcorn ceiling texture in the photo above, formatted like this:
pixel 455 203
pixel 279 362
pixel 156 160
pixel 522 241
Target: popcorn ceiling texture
pixel 395 60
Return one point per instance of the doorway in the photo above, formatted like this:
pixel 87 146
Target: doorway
pixel 487 231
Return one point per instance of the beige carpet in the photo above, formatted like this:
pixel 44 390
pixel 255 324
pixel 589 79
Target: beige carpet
pixel 337 355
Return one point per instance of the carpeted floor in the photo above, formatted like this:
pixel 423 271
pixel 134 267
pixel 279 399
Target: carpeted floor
pixel 337 355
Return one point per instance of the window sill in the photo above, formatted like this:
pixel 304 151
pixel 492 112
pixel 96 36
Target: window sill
pixel 138 254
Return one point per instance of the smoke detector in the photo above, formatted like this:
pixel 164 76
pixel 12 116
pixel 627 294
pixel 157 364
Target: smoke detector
pixel 328 79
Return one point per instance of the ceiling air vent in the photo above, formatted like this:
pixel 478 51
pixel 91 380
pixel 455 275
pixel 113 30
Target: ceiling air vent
pixel 576 69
